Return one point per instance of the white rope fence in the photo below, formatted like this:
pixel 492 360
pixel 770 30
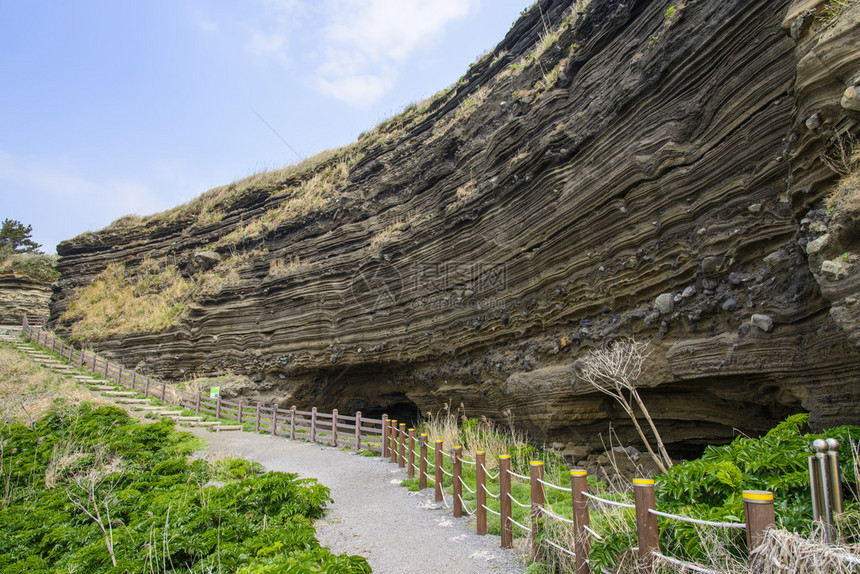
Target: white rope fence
pixel 592 532
pixel 697 521
pixel 467 461
pixel 490 494
pixel 609 502
pixel 489 474
pixel 527 529
pixel 517 502
pixel 466 506
pixel 555 486
pixel 557 547
pixel 512 473
pixel 548 511
pixel 466 486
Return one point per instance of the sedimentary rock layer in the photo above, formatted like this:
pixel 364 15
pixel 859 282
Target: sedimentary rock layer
pixel 645 175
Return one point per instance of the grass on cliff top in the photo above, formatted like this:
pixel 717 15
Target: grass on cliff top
pixel 28 391
pixel 38 266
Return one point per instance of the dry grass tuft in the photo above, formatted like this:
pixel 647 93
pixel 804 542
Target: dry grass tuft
pixel 844 159
pixel 28 392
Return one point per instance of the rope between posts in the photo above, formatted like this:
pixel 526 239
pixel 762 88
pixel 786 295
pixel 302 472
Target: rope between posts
pixel 446 472
pixel 484 486
pixel 609 502
pixel 467 461
pixel 512 473
pixel 490 475
pixel 465 506
pixel 604 571
pixel 488 509
pixel 697 521
pixel 592 532
pixel 555 486
pixel 518 502
pixel 546 510
pixel 683 564
pixel 520 525
pixel 557 547
pixel 427 462
pixel 416 467
pixel 463 483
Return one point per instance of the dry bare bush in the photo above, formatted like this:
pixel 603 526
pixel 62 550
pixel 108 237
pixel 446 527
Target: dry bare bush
pixel 616 370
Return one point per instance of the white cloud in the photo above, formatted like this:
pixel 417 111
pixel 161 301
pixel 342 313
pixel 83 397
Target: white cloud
pixel 368 40
pixel 207 25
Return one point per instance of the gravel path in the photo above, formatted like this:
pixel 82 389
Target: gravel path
pixel 399 532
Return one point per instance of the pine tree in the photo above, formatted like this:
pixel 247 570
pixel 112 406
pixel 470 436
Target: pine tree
pixel 15 238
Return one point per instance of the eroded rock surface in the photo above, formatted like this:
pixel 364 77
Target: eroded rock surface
pixel 21 295
pixel 646 175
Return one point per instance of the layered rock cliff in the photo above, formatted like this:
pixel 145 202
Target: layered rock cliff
pixel 23 295
pixel 612 168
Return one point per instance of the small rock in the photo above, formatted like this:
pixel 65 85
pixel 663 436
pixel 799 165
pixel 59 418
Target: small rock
pixel 738 278
pixel 701 231
pixel 817 245
pixel 777 260
pixel 818 227
pixel 688 292
pixel 711 264
pixel 558 445
pixel 812 122
pixel 835 268
pixel 730 305
pixel 754 208
pixel 849 100
pixel 763 322
pixel 665 303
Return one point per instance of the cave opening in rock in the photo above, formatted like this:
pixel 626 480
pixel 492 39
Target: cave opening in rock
pixel 401 409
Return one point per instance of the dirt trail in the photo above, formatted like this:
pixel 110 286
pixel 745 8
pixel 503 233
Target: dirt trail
pixel 399 532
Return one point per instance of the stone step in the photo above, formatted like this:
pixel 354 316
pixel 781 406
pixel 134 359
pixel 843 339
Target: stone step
pixel 132 401
pixel 148 408
pixel 102 387
pixel 169 413
pixel 220 428
pixel 120 393
pixel 201 423
pixel 186 419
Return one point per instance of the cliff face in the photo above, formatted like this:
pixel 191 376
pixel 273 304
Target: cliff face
pixel 22 295
pixel 612 168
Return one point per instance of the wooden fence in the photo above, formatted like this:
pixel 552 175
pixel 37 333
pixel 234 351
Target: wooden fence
pixel 332 428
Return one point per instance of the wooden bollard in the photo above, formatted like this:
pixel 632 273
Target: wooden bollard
pixel 95 360
pixel 257 417
pixel 581 538
pixel 480 482
pixel 239 412
pixel 536 475
pixel 411 458
pixel 274 419
pixel 146 387
pixel 133 378
pixel 392 448
pixel 645 498
pixel 357 431
pixel 456 453
pixel 314 425
pixel 401 455
pixel 218 407
pixel 197 402
pixel 334 427
pixel 163 389
pixel 505 501
pixel 119 375
pixel 759 516
pixel 438 476
pixel 385 434
pixel 422 464
pixel 293 422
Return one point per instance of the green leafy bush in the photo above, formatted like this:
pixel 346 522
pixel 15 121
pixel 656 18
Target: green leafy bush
pixel 92 490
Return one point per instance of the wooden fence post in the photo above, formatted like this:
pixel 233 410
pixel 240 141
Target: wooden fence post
pixel 393 446
pixel 535 476
pixel 438 477
pixel 239 412
pixel 401 447
pixel 133 378
pixel 759 516
pixel 505 500
pixel 581 538
pixel 107 369
pixel 274 419
pixel 314 424
pixel 385 434
pixel 646 522
pixel 163 388
pixel 358 431
pixel 293 422
pixel 334 427
pixel 119 375
pixel 197 402
pixel 95 359
pixel 218 406
pixel 257 421
pixel 456 452
pixel 480 482
pixel 422 464
pixel 411 459
pixel 146 387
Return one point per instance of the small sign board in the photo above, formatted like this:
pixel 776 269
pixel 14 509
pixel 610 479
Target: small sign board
pixel 214 392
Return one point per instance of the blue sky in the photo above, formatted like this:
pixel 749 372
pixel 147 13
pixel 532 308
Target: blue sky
pixel 112 107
